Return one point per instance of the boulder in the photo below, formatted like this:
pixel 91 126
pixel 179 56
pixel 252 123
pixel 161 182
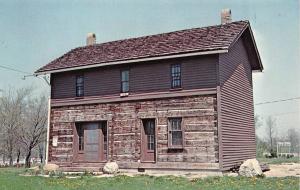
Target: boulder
pixel 50 167
pixel 264 167
pixel 250 168
pixel 111 168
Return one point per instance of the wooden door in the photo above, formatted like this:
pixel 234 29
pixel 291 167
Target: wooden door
pixel 148 145
pixel 90 146
pixel 92 141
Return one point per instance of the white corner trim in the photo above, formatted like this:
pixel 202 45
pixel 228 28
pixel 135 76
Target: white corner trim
pixel 133 61
pixel 48 131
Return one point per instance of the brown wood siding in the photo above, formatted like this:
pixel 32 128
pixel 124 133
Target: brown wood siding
pixel 237 113
pixel 63 85
pixel 149 77
pixel 102 82
pixel 197 73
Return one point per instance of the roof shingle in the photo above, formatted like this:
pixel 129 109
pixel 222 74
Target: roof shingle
pixel 217 37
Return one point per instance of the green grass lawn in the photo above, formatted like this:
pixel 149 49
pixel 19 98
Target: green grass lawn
pixel 279 160
pixel 10 180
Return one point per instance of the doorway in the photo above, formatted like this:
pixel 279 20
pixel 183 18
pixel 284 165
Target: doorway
pixel 148 145
pixel 90 142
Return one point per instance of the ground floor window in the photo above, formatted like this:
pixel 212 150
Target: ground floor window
pixel 80 132
pixel 175 133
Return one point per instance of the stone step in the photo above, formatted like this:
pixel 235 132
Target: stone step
pixel 99 165
pixel 81 169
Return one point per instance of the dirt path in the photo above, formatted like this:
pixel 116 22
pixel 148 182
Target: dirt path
pixel 283 170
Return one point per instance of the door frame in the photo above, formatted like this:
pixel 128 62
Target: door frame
pixel 141 138
pixel 75 146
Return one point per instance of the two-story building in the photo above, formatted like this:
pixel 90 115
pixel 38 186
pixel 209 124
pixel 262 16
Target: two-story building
pixel 180 100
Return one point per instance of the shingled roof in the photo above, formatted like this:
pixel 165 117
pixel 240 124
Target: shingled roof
pixel 212 38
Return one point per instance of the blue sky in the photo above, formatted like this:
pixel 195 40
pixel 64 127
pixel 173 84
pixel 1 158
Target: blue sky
pixel 32 33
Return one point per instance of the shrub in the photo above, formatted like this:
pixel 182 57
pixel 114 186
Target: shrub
pixel 273 154
pixel 261 176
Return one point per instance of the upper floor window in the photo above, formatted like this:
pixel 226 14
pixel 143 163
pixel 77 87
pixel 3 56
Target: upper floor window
pixel 79 85
pixel 176 76
pixel 125 81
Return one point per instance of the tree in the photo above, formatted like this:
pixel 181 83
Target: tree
pixel 41 152
pixel 33 130
pixel 271 132
pixel 293 136
pixel 257 121
pixel 12 104
pixel 260 144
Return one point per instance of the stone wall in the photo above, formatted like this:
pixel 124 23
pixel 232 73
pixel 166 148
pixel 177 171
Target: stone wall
pixel 124 121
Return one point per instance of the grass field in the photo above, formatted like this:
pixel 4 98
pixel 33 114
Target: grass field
pixel 10 180
pixel 279 160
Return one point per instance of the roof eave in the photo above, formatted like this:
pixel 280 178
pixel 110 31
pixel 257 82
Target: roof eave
pixel 224 50
pixel 247 26
pixel 261 67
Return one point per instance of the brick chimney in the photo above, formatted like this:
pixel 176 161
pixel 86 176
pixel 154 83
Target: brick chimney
pixel 90 39
pixel 225 16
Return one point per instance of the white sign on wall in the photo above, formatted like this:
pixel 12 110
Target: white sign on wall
pixel 54 140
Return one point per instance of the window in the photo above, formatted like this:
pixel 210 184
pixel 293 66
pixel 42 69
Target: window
pixel 125 81
pixel 175 134
pixel 104 132
pixel 176 76
pixel 79 86
pixel 80 133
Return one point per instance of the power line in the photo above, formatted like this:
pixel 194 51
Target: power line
pixel 280 100
pixel 284 113
pixel 16 70
pixel 27 74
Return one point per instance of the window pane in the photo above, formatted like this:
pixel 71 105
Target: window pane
pixel 125 75
pixel 176 124
pixel 125 86
pixel 79 91
pixel 79 79
pixel 176 137
pixel 150 142
pixel 150 146
pixel 149 127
